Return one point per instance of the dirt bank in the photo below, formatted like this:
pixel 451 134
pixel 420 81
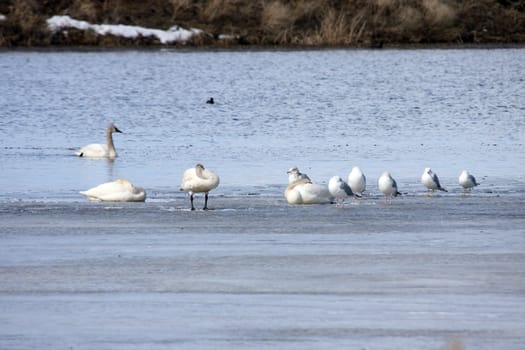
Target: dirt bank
pixel 312 23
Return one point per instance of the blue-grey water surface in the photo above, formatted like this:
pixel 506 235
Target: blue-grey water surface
pixel 255 272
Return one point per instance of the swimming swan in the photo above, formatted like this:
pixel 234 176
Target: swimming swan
pixel 198 180
pixel 117 191
pixel 97 150
pixel 303 191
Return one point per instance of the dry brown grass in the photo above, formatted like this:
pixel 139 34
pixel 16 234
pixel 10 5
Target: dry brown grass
pixel 277 22
pixel 88 10
pixel 438 12
pixel 277 16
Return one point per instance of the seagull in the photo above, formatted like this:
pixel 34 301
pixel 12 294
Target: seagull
pixel 388 185
pixel 339 189
pixel 357 180
pixel 199 180
pixel 431 181
pixel 294 174
pixel 467 181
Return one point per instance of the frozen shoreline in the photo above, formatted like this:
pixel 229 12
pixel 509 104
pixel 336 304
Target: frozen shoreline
pixel 412 274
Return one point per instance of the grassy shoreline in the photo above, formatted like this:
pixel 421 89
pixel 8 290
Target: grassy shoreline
pixel 251 48
pixel 272 23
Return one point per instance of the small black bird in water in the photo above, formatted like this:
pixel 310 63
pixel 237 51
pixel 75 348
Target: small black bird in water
pixel 210 101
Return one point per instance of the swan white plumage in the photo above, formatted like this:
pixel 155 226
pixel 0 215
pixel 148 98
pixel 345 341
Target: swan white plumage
pixel 431 181
pixel 199 180
pixel 387 185
pixel 357 180
pixel 339 189
pixel 120 190
pixel 294 174
pixel 303 191
pixel 467 181
pixel 97 150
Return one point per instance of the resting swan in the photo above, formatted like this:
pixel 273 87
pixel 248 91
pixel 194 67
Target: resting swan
pixel 199 180
pixel 117 191
pixel 303 191
pixel 97 150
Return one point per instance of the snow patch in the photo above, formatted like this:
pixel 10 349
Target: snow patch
pixel 174 34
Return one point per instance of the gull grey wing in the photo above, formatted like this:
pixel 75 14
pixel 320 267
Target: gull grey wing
pixel 436 180
pixel 344 186
pixel 473 179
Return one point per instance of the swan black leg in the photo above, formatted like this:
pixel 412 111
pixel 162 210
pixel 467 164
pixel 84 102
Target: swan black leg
pixel 205 201
pixel 191 201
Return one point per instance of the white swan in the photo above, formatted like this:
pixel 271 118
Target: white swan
pixel 431 181
pixel 97 150
pixel 198 180
pixel 294 174
pixel 117 191
pixel 357 180
pixel 467 181
pixel 303 191
pixel 387 185
pixel 339 189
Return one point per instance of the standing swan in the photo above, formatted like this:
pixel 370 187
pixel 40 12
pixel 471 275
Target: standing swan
pixel 117 191
pixel 97 150
pixel 197 180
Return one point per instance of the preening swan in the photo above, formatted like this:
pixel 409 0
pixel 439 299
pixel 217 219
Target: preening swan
pixel 467 181
pixel 303 191
pixel 294 174
pixel 120 190
pixel 431 181
pixel 357 180
pixel 198 180
pixel 388 185
pixel 97 150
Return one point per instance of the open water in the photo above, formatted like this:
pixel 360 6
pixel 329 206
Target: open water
pixel 420 272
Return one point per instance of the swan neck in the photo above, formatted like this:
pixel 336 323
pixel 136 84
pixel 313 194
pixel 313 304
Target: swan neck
pixel 199 172
pixel 111 146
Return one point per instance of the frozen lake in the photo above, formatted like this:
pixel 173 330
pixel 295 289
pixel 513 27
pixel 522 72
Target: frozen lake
pixel 254 272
